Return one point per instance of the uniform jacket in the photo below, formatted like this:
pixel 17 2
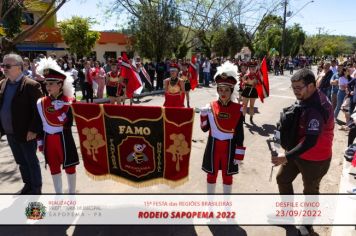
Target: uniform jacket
pixel 224 123
pixel 57 118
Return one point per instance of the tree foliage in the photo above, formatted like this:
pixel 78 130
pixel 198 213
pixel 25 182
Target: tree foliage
pixel 200 19
pixel 77 36
pixel 269 35
pixel 229 40
pixel 157 30
pixel 327 45
pixel 14 34
pixel 12 15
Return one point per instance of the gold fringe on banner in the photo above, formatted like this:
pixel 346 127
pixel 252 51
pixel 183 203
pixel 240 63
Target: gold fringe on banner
pixel 146 183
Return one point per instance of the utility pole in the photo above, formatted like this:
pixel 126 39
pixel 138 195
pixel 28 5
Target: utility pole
pixel 284 27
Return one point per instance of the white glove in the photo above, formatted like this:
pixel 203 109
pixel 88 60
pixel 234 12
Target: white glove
pixel 58 104
pixel 204 110
pixel 237 162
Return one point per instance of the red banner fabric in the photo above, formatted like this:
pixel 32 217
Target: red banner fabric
pixel 263 86
pixel 135 144
pixel 129 73
pixel 193 73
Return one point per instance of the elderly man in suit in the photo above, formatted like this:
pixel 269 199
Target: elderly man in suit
pixel 19 120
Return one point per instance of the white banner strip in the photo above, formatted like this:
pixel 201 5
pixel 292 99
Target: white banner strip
pixel 177 209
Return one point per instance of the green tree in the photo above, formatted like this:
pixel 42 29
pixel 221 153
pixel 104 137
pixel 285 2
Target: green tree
pixel 12 16
pixel 229 40
pixel 327 45
pixel 77 36
pixel 269 35
pixel 295 38
pixel 156 27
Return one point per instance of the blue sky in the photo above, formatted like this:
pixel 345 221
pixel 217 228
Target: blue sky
pixel 331 16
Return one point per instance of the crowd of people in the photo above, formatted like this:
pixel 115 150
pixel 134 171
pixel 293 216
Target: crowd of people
pixel 41 116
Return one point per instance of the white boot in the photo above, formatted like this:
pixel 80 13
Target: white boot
pixel 57 182
pixel 227 188
pixel 211 188
pixel 71 182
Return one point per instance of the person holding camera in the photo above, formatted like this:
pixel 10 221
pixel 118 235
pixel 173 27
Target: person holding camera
pixel 312 154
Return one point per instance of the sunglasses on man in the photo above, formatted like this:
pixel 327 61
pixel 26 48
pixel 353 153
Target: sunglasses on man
pixel 8 66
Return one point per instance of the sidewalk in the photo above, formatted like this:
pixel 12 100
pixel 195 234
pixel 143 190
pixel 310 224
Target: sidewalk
pixel 347 182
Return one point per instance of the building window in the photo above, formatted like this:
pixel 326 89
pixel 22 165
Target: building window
pixel 28 18
pixel 110 54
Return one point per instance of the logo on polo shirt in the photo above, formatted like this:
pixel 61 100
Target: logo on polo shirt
pixel 313 125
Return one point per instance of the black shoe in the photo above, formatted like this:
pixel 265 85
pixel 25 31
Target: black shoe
pixel 243 119
pixel 36 190
pixel 26 189
pixel 307 230
pixel 251 119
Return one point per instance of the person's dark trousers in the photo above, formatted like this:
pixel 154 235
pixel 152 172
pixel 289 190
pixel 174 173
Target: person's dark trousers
pixel 88 92
pixel 312 173
pixel 327 92
pixel 206 78
pixel 25 156
pixel 352 136
pixel 159 82
pixel 352 106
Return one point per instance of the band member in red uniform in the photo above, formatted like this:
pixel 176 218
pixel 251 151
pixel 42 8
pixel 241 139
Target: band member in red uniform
pixel 57 120
pixel 223 120
pixel 249 93
pixel 185 76
pixel 243 72
pixel 115 85
pixel 174 89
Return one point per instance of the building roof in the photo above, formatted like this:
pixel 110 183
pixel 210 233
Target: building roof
pixel 53 35
pixel 113 37
pixel 46 35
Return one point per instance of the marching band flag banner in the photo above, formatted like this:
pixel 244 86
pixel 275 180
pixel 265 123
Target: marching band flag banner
pixel 136 145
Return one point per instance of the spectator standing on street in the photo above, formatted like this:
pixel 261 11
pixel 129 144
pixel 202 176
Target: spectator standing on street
pixel 160 70
pixel 27 71
pixel 214 66
pixel 311 157
pixel 323 82
pixel 20 121
pixel 341 81
pixel 99 78
pixel 206 70
pixel 290 66
pixel 281 66
pixel 88 82
pixel 335 87
pixel 74 73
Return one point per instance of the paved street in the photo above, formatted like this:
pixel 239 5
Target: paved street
pixel 253 176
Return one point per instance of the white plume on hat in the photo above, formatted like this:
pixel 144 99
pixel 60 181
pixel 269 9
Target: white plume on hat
pixel 230 70
pixel 49 63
